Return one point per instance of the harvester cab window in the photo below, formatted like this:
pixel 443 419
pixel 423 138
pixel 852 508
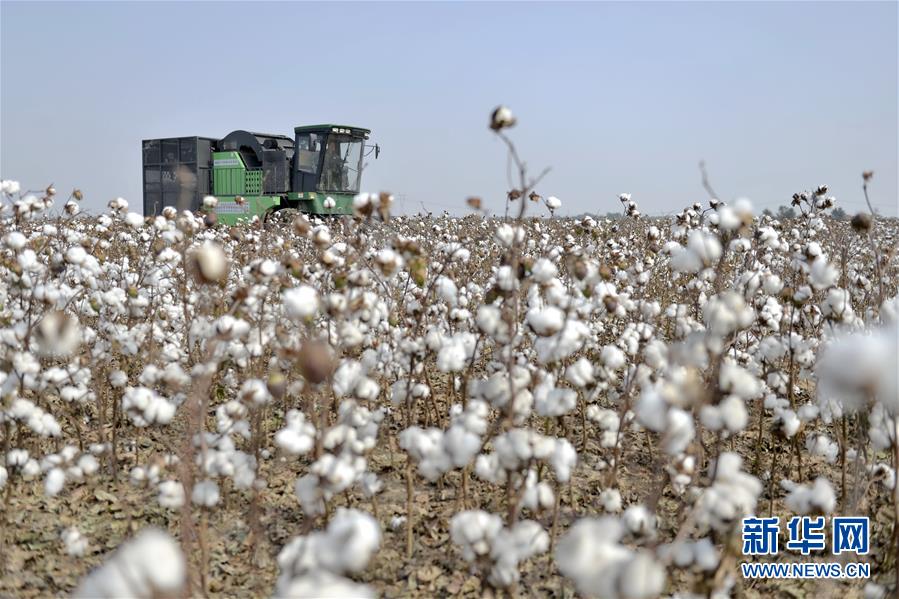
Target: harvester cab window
pixel 309 147
pixel 343 163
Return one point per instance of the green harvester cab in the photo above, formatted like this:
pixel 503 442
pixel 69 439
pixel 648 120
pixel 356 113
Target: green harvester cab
pixel 318 171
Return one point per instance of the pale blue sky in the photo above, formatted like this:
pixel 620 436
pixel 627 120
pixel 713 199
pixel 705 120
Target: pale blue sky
pixel 776 97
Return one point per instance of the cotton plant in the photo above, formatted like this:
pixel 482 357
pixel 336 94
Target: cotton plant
pixel 486 543
pixel 316 565
pixel 149 565
pixel 593 557
pixel 533 366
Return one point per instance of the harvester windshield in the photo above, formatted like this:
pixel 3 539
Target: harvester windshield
pixel 342 165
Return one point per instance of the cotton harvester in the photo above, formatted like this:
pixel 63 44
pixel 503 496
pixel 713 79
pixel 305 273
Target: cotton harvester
pixel 254 174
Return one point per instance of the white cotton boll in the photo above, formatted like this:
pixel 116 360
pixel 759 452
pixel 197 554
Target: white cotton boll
pixel 734 416
pixel 552 401
pixel 705 556
pixel 205 493
pixel 301 303
pixel 118 378
pixel 4 475
pixel 473 531
pixel 859 367
pixel 461 445
pixel 322 584
pixel 10 187
pixel 148 566
pixel 145 407
pixel 738 381
pixel 610 500
pixel 397 522
pixel 31 469
pixel 590 555
pixel 563 459
pixel 171 494
pixel 643 577
pixel 821 445
pixel 639 521
pixel 679 432
pixel 54 482
pixel 256 391
pixel 329 203
pixel 808 412
pixel 210 202
pixel 134 220
pixel 821 274
pixel 310 495
pixel 506 235
pixel 612 357
pixel 210 262
pixel 789 423
pixel 298 435
pixel 562 345
pixel 447 291
pixel 651 410
pixel 354 536
pixel 553 203
pixel 15 240
pixel 819 498
pixel 537 495
pixel 76 255
pixel 580 374
pixel 702 250
pixel 75 543
pixel 837 305
pixel 489 319
pixel 547 321
pixel 455 352
pixel 544 271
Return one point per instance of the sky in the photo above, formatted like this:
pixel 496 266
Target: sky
pixel 612 97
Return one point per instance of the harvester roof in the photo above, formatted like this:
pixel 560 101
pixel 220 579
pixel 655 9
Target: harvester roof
pixel 349 129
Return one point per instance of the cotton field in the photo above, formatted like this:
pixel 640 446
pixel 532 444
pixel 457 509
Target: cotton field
pixel 432 406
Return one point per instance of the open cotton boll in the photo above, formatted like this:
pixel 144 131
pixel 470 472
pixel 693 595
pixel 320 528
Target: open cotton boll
pixel 550 400
pixel 580 374
pixel 15 240
pixel 54 482
pixel 610 500
pixel 456 352
pixel 702 250
pixel 322 584
pixel 150 565
pixel 547 321
pixel 859 367
pixel 447 291
pixel 732 495
pixel 171 494
pixel 473 531
pixel 643 577
pixel 639 521
pixel 134 220
pixel 821 445
pixel 679 432
pixel 75 543
pixel 205 493
pixel 818 498
pixel 145 407
pixel 511 546
pixel 590 555
pixel 298 436
pixel 347 545
pixel 301 303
